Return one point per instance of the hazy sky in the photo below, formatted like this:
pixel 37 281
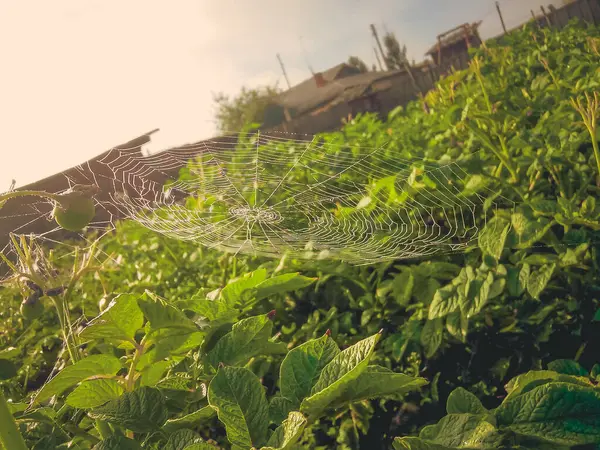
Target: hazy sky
pixel 81 76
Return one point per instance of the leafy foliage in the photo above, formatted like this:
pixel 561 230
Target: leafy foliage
pixel 354 356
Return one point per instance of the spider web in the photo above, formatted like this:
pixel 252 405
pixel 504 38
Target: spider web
pixel 309 198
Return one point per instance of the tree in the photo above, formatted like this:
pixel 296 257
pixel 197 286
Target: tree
pixel 355 61
pixel 395 57
pixel 249 106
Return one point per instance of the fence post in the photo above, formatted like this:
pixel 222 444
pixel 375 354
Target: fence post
pixel 589 7
pixel 546 16
pixel 501 18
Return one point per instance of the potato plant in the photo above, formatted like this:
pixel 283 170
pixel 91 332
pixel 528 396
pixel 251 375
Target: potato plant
pixel 491 348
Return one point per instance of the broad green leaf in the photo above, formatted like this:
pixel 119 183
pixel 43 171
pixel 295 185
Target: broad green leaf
pixel 154 373
pixel 8 369
pixel 243 289
pixel 118 322
pixel 71 375
pixel 302 367
pixel 568 367
pixel 344 368
pixel 202 446
pixel 432 335
pixel 117 442
pixel 9 353
pixel 517 279
pixel 477 295
pixel 414 443
pixel 192 420
pixel 169 342
pixel 457 325
pixel 282 283
pixel 142 411
pixel 445 301
pixel 94 393
pixel 403 285
pixel 526 381
pixel 461 401
pixel 493 238
pixel 564 413
pixel 213 309
pixel 239 399
pixel 378 382
pixel 182 440
pixel 458 430
pixel 246 339
pixel 279 408
pixel 539 279
pixel 288 433
pixel 161 314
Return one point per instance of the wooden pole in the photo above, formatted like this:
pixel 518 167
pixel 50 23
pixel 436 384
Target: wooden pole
pixel 283 70
pixel 501 18
pixel 374 31
pixel 546 16
pixel 378 60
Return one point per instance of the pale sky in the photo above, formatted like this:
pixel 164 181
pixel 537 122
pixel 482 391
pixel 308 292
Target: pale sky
pixel 81 76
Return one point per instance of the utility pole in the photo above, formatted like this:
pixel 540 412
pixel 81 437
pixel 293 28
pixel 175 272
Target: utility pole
pixel 378 60
pixel 283 70
pixel 501 18
pixel 374 31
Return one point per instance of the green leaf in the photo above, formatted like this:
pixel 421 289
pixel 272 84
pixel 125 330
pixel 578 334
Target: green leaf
pixel 414 443
pixel 71 375
pixel 457 325
pixel 9 353
pixel 118 322
pixel 527 381
pixel 458 430
pixel 94 393
pixel 445 301
pixel 282 283
pixel 517 279
pixel 243 289
pixel 246 339
pixel 403 285
pixel 279 408
pixel 8 369
pixel 241 405
pixel 564 413
pixel 117 442
pixel 539 279
pixel 202 446
pixel 431 336
pixel 461 401
pixel 142 411
pixel 161 314
pixel 378 382
pixel 183 439
pixel 568 367
pixel 302 367
pixel 192 420
pixel 288 433
pixel 344 368
pixel 493 238
pixel 154 373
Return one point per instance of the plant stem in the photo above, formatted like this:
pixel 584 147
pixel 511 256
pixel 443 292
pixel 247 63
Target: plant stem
pixel 10 437
pixel 14 194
